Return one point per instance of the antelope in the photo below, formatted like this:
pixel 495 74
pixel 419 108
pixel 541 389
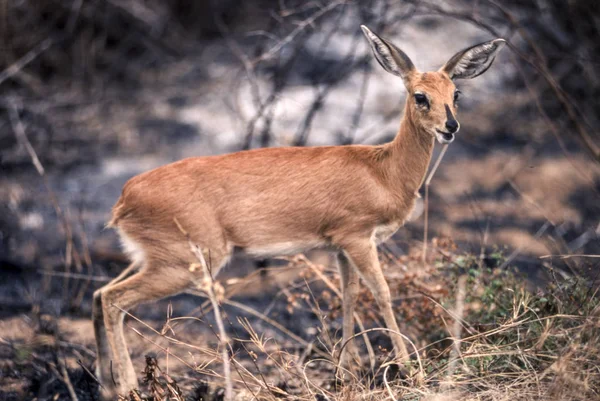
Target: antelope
pixel 280 201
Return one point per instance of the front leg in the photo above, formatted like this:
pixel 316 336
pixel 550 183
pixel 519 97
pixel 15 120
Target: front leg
pixel 350 287
pixel 363 255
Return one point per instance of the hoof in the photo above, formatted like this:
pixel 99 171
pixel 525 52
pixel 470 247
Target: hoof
pixel 350 363
pixel 350 357
pixel 405 372
pixel 108 394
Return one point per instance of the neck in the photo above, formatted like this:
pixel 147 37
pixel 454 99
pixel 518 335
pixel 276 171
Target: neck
pixel 410 153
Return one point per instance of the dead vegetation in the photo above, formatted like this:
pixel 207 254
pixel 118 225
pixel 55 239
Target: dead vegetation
pixel 499 340
pixel 481 331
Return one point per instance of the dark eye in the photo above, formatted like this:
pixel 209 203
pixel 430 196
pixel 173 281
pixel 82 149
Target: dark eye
pixel 421 99
pixel 457 94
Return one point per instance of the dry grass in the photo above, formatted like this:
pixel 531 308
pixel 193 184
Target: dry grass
pixel 480 333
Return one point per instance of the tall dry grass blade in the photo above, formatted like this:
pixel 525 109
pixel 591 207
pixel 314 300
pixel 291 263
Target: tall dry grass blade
pixel 210 289
pixel 387 385
pixel 427 183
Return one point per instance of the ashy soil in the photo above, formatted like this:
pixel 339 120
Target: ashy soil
pixel 498 189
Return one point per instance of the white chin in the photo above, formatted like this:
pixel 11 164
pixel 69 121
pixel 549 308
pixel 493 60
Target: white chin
pixel 444 138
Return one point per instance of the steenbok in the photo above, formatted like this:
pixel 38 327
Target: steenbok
pixel 277 201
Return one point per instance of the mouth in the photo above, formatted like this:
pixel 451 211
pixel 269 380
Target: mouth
pixel 444 137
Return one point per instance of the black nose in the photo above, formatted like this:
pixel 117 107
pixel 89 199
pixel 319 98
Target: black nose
pixel 452 126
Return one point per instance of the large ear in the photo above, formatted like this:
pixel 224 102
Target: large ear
pixel 391 58
pixel 473 61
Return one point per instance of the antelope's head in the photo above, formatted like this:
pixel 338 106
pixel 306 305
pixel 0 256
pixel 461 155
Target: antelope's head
pixel 433 96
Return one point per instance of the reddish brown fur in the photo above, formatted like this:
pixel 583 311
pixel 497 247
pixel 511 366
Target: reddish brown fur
pixel 255 198
pixel 440 91
pixel 269 202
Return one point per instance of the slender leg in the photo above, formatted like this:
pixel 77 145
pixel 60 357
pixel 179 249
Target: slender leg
pixel 350 288
pixel 363 255
pixel 102 347
pixel 154 281
pixel 151 283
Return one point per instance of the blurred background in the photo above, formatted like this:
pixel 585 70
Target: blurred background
pixel 93 92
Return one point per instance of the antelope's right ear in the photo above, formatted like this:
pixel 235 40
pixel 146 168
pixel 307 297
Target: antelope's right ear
pixel 392 59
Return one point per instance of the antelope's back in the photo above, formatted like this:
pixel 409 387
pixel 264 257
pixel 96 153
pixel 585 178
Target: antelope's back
pixel 254 197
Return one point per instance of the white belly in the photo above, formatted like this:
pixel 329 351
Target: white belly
pixel 283 248
pixel 380 234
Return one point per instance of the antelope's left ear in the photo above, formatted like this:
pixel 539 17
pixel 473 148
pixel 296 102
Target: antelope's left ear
pixel 474 61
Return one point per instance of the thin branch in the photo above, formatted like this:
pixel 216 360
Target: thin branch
pixel 569 256
pixel 301 26
pixel 427 183
pixel 26 59
pixel 209 286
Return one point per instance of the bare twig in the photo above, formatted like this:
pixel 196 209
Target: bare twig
pixel 266 319
pixel 387 385
pixel 26 59
pixel 569 256
pixel 208 285
pixel 77 276
pixel 427 183
pixel 71 253
pixel 299 28
pixel 19 131
pixel 64 375
pixel 90 374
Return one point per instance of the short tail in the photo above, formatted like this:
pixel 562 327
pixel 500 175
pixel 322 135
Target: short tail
pixel 117 213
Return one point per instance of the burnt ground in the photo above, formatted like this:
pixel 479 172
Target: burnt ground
pixel 518 192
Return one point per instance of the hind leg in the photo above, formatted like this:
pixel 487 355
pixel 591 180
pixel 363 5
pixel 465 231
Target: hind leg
pixel 149 284
pixel 102 347
pixel 155 281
